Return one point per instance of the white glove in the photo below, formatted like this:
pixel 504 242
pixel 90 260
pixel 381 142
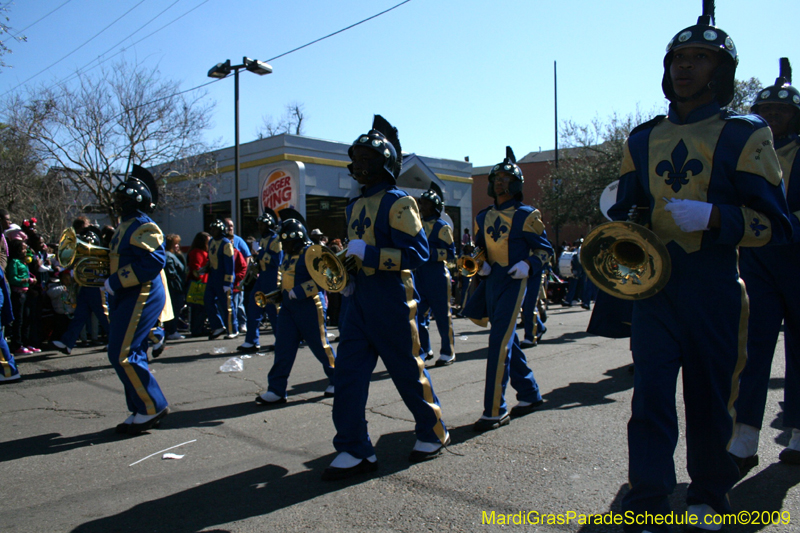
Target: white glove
pixel 107 287
pixel 292 295
pixel 357 247
pixel 520 270
pixel 349 289
pixel 485 270
pixel 227 288
pixel 690 215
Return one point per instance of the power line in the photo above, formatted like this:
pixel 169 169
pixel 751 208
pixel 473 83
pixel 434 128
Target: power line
pixel 41 18
pixel 340 31
pixel 86 67
pixel 76 49
pixel 272 59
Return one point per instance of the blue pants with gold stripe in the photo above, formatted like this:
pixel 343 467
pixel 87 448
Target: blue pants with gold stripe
pixel 298 320
pixel 433 287
pixel 219 308
pixel 255 314
pixel 380 320
pixel 89 300
pixel 529 314
pixel 505 361
pixel 771 276
pixel 677 328
pixel 134 311
pixel 7 364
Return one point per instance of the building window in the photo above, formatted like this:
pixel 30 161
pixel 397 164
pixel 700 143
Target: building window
pixel 327 214
pixel 217 210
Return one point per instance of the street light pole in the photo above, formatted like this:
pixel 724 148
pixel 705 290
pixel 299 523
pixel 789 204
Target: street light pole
pixel 223 70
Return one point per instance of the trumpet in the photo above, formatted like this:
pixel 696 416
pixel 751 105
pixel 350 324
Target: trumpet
pixel 469 265
pixel 253 270
pixel 262 299
pixel 90 264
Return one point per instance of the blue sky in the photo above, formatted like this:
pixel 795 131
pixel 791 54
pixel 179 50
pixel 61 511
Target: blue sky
pixel 457 77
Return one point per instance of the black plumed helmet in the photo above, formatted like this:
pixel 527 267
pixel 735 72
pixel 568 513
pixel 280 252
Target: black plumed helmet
pixel 139 191
pixel 382 139
pixel 781 93
pixel 705 34
pixel 435 195
pixel 509 166
pixel 270 218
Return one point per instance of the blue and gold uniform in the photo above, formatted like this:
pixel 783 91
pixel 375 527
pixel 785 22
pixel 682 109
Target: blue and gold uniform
pixel 8 368
pixel 771 276
pixel 90 300
pixel 432 281
pixel 729 162
pixel 269 259
pixel 301 317
pixel 137 258
pixel 220 275
pixel 510 233
pixel 381 319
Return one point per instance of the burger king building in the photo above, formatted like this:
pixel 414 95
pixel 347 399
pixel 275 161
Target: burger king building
pixel 306 174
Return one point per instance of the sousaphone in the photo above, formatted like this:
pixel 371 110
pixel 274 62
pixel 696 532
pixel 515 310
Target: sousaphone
pixel 626 260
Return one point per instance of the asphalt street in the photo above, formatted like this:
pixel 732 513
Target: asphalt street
pixel 245 468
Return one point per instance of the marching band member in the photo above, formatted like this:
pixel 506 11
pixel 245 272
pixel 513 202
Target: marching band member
pixel 432 278
pixel 137 299
pixel 268 261
pixel 90 300
pixel 387 238
pixel 768 274
pixel 218 299
pixel 712 183
pixel 8 368
pixel 301 316
pixel 516 245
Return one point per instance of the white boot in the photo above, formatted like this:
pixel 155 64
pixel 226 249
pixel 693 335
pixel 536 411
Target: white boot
pixel 745 441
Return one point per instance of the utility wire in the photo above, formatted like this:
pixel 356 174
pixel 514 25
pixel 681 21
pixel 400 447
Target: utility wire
pixel 87 68
pixel 340 31
pixel 75 50
pixel 272 59
pixel 40 19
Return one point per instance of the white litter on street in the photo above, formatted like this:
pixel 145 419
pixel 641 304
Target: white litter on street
pixel 162 451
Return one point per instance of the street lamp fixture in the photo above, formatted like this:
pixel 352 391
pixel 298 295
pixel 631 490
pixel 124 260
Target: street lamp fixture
pixel 221 71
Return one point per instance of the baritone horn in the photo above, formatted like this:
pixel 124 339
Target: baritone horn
pixel 90 264
pixel 328 269
pixel 626 260
pixel 469 265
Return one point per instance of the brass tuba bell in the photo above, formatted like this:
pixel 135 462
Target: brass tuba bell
pixel 626 260
pixel 90 264
pixel 469 265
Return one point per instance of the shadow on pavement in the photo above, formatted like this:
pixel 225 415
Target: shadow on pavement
pixel 255 492
pixel 586 394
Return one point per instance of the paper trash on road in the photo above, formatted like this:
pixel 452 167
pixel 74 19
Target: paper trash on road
pixel 234 364
pixel 171 456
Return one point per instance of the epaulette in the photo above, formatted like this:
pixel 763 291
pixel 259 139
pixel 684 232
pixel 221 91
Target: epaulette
pixel 754 121
pixel 649 124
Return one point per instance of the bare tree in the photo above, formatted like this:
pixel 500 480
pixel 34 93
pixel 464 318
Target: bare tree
pixel 102 126
pixel 24 189
pixel 6 33
pixel 744 92
pixel 292 121
pixel 590 162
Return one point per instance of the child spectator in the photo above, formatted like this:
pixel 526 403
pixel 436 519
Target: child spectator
pixel 19 280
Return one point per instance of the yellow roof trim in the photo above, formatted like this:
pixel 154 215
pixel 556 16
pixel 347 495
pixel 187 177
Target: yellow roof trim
pixel 303 159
